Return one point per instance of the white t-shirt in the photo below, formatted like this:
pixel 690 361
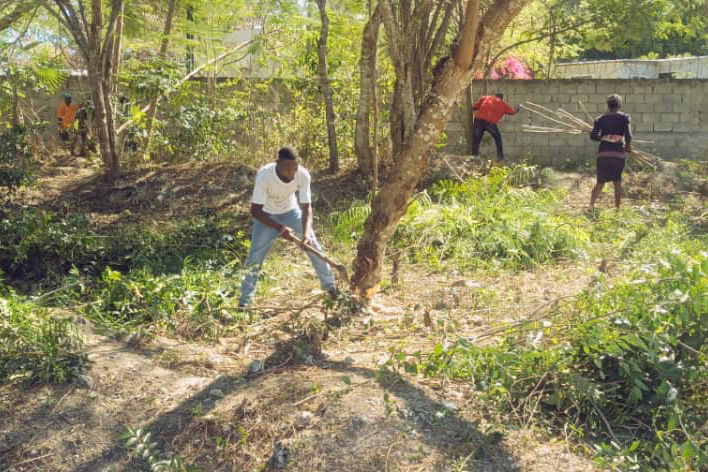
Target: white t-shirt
pixel 276 196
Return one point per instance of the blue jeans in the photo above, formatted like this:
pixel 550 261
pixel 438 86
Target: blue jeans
pixel 262 238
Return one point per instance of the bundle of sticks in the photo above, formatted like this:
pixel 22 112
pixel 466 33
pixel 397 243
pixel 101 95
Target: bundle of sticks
pixel 566 122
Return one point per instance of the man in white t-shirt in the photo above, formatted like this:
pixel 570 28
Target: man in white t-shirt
pixel 276 212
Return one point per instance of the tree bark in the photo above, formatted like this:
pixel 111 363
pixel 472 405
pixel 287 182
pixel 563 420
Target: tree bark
pixel 450 77
pixel 367 86
pixel 326 89
pixel 152 108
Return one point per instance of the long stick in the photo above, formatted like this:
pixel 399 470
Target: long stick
pixel 525 107
pixel 587 113
pixel 575 119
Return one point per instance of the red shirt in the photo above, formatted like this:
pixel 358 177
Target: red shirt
pixel 492 109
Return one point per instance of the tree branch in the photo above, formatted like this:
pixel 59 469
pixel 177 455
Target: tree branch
pixel 466 45
pixel 536 38
pixel 71 22
pixel 125 125
pixel 107 47
pixel 16 14
pixel 440 35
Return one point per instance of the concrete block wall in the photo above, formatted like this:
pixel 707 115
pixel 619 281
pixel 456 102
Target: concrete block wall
pixel 673 113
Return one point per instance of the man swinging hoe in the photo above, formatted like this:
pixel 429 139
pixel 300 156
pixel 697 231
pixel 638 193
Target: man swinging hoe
pixel 278 213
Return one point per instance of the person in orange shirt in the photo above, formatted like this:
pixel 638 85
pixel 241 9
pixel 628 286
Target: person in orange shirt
pixel 66 113
pixel 489 110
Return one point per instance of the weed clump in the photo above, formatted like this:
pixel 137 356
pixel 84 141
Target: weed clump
pixel 196 303
pixel 35 346
pixel 492 221
pixel 624 366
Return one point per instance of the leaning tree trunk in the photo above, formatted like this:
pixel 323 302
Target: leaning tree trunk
pixel 326 89
pixel 451 76
pixel 367 87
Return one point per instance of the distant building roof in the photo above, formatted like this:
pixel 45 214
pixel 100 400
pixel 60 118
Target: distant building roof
pixel 681 67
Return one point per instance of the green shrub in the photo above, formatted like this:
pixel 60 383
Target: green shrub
pixel 482 222
pixel 34 345
pixel 39 245
pixel 198 302
pixel 628 363
pixel 15 159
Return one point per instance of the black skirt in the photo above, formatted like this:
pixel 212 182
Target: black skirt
pixel 609 169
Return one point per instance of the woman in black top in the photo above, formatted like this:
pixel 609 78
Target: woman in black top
pixel 614 132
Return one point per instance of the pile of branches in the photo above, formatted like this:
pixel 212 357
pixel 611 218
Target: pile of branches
pixel 566 122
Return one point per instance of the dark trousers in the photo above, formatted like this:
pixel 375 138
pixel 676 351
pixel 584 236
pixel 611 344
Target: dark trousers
pixel 478 129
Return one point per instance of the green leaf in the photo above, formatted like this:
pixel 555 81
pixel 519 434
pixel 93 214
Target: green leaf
pixel 688 451
pixel 641 385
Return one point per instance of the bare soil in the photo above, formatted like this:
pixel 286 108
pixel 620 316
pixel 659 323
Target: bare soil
pixel 224 406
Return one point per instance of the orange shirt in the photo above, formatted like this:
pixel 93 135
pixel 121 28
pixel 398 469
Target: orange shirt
pixel 66 113
pixel 492 109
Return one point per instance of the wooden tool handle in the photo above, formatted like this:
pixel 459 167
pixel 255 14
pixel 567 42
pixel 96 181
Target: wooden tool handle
pixel 317 253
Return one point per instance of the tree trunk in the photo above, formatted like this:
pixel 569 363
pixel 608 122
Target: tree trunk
pixel 96 41
pixel 469 118
pixel 367 87
pixel 152 109
pixel 189 62
pixel 451 76
pixel 16 116
pixel 402 112
pixel 118 46
pixel 101 119
pixel 375 164
pixel 326 89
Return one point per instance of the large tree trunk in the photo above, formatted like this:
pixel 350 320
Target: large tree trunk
pixel 367 87
pixel 451 76
pixel 152 109
pixel 326 89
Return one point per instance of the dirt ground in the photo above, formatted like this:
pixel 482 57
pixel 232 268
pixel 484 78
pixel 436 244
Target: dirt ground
pixel 229 406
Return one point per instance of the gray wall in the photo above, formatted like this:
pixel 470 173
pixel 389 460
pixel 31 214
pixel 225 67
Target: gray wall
pixel 681 67
pixel 673 113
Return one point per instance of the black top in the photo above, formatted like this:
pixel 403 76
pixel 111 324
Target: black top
pixel 612 123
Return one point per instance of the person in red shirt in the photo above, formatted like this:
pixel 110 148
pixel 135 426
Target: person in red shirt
pixel 489 110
